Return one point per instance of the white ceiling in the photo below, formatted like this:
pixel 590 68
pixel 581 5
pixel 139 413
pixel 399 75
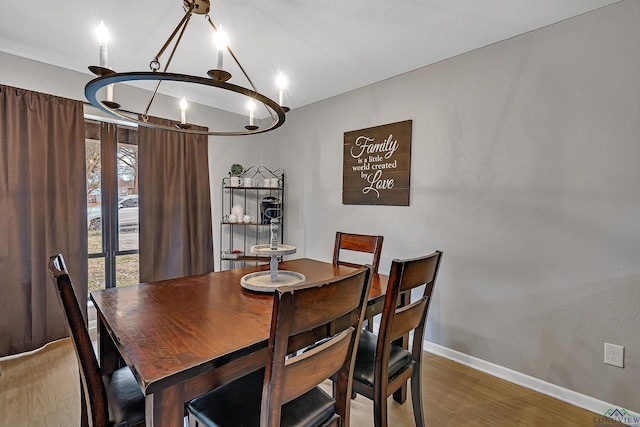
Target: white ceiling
pixel 325 48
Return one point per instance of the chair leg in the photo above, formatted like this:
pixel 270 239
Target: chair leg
pixel 416 396
pixel 84 414
pixel 380 413
pixel 368 324
pixel 380 405
pixel 400 395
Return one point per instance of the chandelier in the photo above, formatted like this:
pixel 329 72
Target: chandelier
pixel 217 78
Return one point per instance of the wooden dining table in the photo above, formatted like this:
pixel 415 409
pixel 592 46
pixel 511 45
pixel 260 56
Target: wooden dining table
pixel 183 337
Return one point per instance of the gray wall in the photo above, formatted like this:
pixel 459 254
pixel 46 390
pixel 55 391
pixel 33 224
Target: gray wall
pixel 525 172
pixel 525 164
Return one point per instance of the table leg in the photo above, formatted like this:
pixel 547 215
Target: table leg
pixel 165 407
pixel 108 354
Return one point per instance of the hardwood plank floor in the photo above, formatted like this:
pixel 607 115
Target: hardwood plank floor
pixel 41 389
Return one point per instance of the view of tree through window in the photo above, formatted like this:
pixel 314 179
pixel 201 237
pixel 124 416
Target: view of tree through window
pixel 112 204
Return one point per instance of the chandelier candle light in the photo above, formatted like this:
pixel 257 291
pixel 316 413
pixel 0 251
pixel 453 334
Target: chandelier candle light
pixel 103 39
pixel 220 39
pixel 251 106
pixel 183 112
pixel 217 79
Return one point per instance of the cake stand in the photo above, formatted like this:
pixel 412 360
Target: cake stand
pixel 268 281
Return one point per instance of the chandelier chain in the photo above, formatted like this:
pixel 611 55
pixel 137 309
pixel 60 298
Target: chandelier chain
pixel 183 23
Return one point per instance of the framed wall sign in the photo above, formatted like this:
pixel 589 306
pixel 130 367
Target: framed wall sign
pixel 377 165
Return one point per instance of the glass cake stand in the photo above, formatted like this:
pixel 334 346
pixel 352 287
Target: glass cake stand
pixel 268 281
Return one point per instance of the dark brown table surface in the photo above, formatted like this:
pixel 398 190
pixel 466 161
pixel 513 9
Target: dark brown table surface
pixel 185 336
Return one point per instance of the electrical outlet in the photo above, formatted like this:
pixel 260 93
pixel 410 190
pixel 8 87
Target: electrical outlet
pixel 614 355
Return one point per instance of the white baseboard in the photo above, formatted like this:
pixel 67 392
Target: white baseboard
pixel 569 396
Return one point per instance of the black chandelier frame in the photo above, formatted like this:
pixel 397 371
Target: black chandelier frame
pixel 216 79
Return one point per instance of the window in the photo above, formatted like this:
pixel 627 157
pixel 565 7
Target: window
pixel 112 204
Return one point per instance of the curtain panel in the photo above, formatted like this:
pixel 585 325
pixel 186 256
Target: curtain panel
pixel 43 211
pixel 175 204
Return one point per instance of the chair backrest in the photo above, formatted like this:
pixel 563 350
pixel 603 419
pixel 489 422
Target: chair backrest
pixel 300 309
pixel 358 243
pixel 90 376
pixel 400 315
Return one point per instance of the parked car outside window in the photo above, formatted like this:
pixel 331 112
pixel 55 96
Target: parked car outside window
pixel 127 214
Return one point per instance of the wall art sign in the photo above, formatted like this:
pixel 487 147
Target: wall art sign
pixel 377 165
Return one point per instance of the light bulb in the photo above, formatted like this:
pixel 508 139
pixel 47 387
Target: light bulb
pixel 102 33
pixel 281 81
pixel 183 110
pixel 220 39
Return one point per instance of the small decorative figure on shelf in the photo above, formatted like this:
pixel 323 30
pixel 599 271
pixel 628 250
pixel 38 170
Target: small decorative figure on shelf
pixel 235 172
pixel 236 169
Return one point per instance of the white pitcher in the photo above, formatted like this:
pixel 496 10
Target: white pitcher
pixel 237 210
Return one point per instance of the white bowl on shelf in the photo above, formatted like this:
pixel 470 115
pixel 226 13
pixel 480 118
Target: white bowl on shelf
pixel 232 254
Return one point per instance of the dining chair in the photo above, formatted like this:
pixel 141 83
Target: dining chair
pixel 358 243
pixel 286 392
pixel 113 400
pixel 383 365
pixel 364 243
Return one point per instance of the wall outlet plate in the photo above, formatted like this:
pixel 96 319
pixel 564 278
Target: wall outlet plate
pixel 614 355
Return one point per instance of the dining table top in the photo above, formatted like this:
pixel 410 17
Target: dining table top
pixel 173 330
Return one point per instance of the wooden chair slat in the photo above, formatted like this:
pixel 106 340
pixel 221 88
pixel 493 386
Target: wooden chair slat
pixel 359 243
pixel 315 365
pixel 407 318
pixel 312 309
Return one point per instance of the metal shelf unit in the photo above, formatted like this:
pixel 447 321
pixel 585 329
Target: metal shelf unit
pixel 241 236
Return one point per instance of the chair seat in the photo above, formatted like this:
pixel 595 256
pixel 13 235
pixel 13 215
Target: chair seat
pixel 126 401
pixel 363 372
pixel 238 403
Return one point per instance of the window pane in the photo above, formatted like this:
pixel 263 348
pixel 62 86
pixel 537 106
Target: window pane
pixel 96 274
pixel 127 189
pixel 94 180
pixel 127 272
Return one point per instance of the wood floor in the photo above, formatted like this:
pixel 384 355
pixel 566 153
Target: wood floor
pixel 41 389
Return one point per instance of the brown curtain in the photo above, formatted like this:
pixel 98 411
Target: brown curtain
pixel 43 212
pixel 175 204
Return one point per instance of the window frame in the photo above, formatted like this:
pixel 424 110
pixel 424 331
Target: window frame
pixel 109 199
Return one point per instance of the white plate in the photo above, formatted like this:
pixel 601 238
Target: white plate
pixel 265 250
